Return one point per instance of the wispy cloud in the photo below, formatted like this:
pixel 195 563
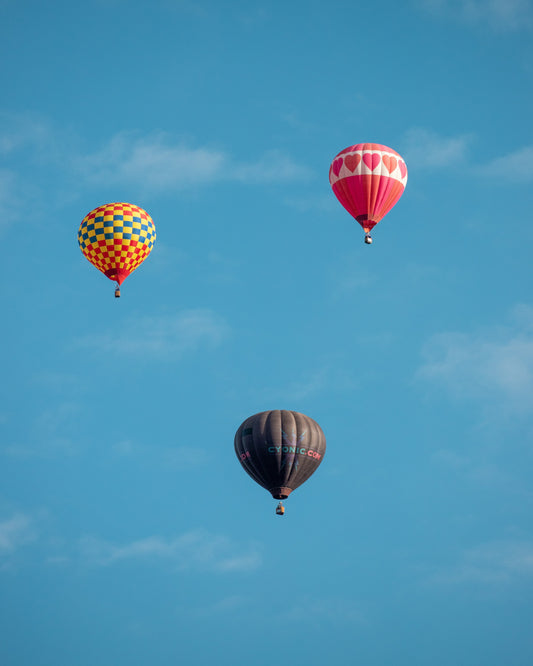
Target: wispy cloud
pixel 179 457
pixel 15 532
pixel 24 131
pixel 495 562
pixel 492 364
pixel 499 15
pixel 228 605
pixel 481 469
pixel 274 166
pixel 451 459
pixel 516 166
pixel 56 381
pixel 152 162
pixel 194 550
pixel 426 148
pixel 26 144
pixel 51 433
pixel 329 376
pixel 317 201
pixel 349 276
pixel 328 610
pixel 159 163
pixel 10 201
pixel 166 336
pixel 307 385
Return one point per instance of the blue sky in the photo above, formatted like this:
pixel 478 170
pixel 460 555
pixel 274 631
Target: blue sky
pixel 128 531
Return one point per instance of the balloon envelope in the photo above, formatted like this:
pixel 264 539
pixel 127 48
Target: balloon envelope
pixel 368 179
pixel 117 238
pixel 280 449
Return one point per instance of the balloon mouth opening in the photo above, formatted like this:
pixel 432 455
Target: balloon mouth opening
pixel 367 224
pixel 117 275
pixel 280 493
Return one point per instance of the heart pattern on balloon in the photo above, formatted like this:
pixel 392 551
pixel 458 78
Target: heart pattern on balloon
pixel 352 161
pixel 403 168
pixel 336 166
pixel 390 162
pixel 371 160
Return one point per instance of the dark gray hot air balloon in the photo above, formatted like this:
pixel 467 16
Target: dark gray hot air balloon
pixel 280 450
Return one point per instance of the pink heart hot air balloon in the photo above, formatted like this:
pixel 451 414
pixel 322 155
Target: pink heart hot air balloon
pixel 368 179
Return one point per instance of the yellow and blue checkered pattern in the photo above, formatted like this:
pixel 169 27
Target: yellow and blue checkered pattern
pixel 116 238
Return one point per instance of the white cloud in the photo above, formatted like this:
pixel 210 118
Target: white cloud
pixel 425 148
pixel 273 167
pixel 328 376
pixel 451 459
pixel 164 336
pixel 308 385
pixel 480 470
pixel 516 166
pixel 495 562
pixel 10 202
pixel 499 15
pixel 18 132
pixel 320 611
pixel 315 201
pixel 179 457
pixel 158 164
pixel 57 418
pixel 26 144
pixel 152 163
pixel 53 446
pixel 15 532
pixel 231 604
pixel 50 434
pixel 493 364
pixel 350 276
pixel 194 550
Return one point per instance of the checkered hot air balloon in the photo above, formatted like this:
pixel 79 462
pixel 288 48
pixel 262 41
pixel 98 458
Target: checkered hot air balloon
pixel 368 179
pixel 117 238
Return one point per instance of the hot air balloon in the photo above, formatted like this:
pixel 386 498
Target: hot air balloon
pixel 368 179
pixel 280 449
pixel 117 238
